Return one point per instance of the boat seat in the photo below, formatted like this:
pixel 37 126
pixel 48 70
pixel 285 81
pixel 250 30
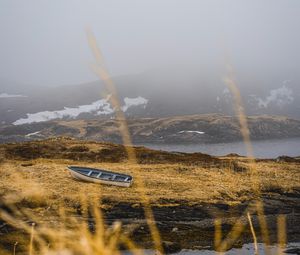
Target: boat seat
pixel 99 175
pixel 89 174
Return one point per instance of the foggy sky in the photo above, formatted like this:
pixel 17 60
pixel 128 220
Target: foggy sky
pixel 44 42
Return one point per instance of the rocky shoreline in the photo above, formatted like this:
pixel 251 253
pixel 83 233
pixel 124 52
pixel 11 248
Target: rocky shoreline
pixel 192 226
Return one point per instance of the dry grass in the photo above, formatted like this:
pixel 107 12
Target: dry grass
pixel 43 191
pixel 162 181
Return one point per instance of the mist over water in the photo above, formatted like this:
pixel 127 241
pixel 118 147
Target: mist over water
pixel 171 53
pixel 165 51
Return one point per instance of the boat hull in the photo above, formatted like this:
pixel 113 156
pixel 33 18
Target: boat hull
pixel 82 177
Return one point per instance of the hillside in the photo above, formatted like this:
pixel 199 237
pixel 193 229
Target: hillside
pixel 206 128
pixel 164 93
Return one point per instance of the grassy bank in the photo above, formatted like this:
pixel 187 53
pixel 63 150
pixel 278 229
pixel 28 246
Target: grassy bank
pixel 37 187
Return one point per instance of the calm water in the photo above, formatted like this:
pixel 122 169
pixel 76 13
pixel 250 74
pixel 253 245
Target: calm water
pixel 262 149
pixel 247 249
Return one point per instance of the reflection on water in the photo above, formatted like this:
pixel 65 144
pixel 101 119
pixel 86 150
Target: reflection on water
pixel 262 149
pixel 247 249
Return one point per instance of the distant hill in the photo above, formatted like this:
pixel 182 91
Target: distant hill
pixel 162 94
pixel 206 128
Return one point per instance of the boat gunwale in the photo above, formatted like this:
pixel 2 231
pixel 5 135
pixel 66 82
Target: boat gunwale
pixel 130 181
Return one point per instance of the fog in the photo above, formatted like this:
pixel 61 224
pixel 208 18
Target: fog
pixel 44 42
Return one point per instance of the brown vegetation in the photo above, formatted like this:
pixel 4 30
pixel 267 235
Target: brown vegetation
pixel 216 128
pixel 35 179
pixel 194 177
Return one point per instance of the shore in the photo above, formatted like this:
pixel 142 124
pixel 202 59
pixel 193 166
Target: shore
pixel 187 192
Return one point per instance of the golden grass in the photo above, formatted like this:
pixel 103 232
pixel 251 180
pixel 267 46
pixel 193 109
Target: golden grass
pixel 45 193
pixel 50 179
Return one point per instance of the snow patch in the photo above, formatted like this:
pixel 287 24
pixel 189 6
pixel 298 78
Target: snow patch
pixel 5 95
pixel 100 107
pixel 226 91
pixel 226 95
pixel 33 134
pixel 281 97
pixel 129 102
pixel 191 131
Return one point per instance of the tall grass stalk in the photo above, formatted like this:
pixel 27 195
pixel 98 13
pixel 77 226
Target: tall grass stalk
pixel 253 233
pixel 31 239
pixel 100 69
pixel 281 233
pixel 231 82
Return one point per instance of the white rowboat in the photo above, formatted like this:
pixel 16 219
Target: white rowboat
pixel 100 176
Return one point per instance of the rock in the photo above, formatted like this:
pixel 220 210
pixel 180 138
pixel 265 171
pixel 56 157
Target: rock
pixel 170 247
pixel 294 250
pixel 238 167
pixel 233 155
pixel 26 164
pixel 286 159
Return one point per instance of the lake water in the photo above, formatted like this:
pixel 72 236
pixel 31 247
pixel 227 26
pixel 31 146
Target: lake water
pixel 262 149
pixel 247 249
